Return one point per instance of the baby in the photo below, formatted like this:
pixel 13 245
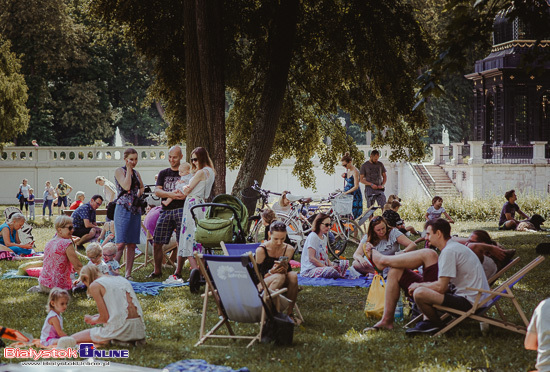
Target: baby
pixel 95 255
pixel 109 253
pixel 107 233
pixel 185 173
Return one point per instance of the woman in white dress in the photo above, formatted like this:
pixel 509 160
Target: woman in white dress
pixel 196 192
pixel 118 307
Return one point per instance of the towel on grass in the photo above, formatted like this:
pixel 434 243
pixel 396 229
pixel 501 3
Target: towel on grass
pixel 199 365
pixel 12 274
pixel 362 281
pixel 153 288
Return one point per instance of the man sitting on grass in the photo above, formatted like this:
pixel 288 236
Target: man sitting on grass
pixel 457 265
pixel 508 214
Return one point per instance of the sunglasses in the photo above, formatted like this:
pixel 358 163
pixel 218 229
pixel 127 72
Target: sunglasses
pixel 326 224
pixel 194 159
pixel 70 228
pixel 377 218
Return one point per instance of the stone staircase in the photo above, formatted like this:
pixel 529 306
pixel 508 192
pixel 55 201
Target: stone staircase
pixel 436 180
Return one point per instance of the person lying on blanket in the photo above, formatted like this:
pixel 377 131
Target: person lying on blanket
pixel 457 265
pixel 273 259
pixel 314 261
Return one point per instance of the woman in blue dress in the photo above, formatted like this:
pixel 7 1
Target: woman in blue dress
pixel 351 175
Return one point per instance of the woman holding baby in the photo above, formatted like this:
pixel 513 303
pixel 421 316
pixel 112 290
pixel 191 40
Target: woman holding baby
pixel 128 215
pixel 196 192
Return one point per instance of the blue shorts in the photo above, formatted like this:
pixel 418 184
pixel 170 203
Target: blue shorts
pixel 61 200
pixel 20 251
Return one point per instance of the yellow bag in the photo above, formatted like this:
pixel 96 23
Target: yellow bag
pixel 374 306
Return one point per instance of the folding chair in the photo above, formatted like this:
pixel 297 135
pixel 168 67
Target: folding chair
pixel 237 298
pixel 236 249
pixel 491 281
pixel 147 252
pixel 482 305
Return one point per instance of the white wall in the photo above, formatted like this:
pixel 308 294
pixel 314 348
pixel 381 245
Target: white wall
pixel 45 163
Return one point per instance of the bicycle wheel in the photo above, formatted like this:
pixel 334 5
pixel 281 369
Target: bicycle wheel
pixel 351 230
pixel 337 245
pixel 257 232
pixel 293 229
pixel 341 234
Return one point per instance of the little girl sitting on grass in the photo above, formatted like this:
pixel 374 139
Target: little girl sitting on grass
pixel 433 213
pixel 52 330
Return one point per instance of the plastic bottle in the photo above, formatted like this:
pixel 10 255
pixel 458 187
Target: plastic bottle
pixel 399 310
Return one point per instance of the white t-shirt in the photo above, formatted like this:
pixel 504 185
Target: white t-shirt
pixel 25 190
pixel 320 247
pixel 279 208
pixel 540 325
pixel 103 267
pixel 462 265
pixel 434 214
pixel 489 267
pixel 387 247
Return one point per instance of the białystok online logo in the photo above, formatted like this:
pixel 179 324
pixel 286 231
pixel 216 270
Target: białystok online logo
pixel 84 351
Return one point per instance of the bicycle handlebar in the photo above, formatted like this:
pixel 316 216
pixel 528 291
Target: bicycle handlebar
pixel 264 192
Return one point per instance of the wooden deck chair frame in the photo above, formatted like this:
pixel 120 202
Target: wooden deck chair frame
pixel 480 307
pixel 492 280
pixel 226 248
pixel 149 258
pixel 211 291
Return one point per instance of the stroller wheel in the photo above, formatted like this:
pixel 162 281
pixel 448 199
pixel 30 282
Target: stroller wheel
pixel 195 281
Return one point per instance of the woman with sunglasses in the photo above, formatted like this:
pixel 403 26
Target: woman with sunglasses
pixel 198 190
pixel 60 257
pixel 276 272
pixel 384 239
pixel 315 262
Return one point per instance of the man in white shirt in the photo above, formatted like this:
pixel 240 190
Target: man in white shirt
pixel 458 265
pixel 538 335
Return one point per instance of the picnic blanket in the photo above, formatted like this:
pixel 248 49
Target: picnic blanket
pixel 199 365
pixel 12 274
pixel 362 281
pixel 153 288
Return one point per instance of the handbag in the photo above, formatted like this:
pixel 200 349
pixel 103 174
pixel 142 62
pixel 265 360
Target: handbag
pixel 374 306
pixel 112 205
pixel 279 327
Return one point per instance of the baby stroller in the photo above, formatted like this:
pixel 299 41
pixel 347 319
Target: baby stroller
pixel 226 220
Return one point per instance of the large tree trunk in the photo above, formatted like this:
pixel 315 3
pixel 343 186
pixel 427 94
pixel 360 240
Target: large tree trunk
pixel 280 44
pixel 197 131
pixel 210 47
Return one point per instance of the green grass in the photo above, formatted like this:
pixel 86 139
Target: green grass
pixel 330 338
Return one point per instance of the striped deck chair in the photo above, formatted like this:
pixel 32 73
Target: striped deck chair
pixel 237 298
pixel 481 306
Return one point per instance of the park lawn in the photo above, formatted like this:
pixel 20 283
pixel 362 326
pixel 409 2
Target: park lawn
pixel 330 338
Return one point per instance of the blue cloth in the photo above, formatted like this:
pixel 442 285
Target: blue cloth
pixel 153 288
pixel 12 236
pixel 357 197
pixel 362 281
pixel 12 274
pixel 199 365
pixel 20 251
pixel 127 225
pixel 84 212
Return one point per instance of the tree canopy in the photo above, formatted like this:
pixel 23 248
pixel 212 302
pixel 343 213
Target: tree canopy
pixel 14 115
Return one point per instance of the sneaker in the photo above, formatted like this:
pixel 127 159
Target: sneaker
pixel 424 326
pixel 173 279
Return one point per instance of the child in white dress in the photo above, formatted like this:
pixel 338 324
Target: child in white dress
pixel 52 330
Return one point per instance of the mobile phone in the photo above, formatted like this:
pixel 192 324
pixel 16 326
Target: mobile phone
pixel 283 258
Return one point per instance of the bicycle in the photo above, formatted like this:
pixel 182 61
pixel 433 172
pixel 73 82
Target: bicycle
pixel 261 198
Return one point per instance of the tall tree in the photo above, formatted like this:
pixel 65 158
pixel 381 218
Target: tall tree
pixel 14 115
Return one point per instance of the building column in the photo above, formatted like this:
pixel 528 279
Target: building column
pixel 539 152
pixel 476 152
pixel 458 158
pixel 437 153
